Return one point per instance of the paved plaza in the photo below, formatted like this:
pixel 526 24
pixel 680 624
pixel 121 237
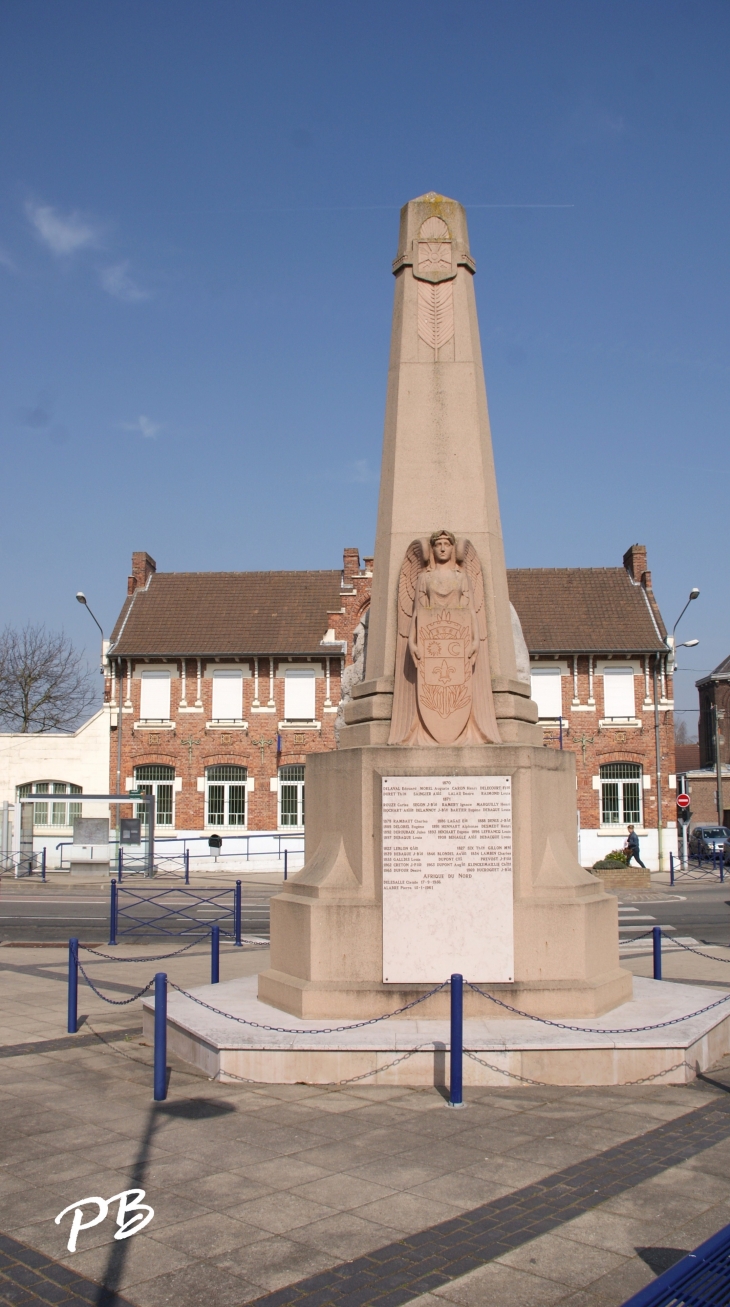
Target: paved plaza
pixel 347 1194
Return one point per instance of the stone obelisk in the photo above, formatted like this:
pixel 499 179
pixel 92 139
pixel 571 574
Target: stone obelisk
pixel 441 836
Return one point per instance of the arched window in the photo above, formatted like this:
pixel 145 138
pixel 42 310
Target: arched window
pixel 50 810
pixel 291 795
pixel 158 779
pixel 225 795
pixel 621 794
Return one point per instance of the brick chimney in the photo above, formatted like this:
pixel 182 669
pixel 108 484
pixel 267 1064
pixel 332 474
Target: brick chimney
pixel 635 564
pixel 351 565
pixel 142 568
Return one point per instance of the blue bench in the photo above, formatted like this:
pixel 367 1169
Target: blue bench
pixel 701 1279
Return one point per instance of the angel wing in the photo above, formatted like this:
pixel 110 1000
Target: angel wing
pixel 467 555
pixel 404 696
pixel 412 564
pixel 484 717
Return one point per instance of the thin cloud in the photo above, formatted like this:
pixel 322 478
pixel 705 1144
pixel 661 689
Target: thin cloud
pixel 6 261
pixel 144 426
pixel 116 281
pixel 359 473
pixel 36 418
pixel 61 234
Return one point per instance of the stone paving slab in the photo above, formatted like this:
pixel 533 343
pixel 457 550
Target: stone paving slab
pixel 259 1189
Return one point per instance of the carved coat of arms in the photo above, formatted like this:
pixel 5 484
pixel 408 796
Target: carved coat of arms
pixel 443 692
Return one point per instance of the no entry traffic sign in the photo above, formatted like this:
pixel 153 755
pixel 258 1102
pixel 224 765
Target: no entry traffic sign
pixel 682 800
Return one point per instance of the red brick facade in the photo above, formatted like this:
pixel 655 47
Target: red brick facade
pixel 584 622
pixel 191 742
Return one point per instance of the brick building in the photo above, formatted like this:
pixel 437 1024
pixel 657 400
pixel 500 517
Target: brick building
pixel 714 695
pixel 229 680
pixel 597 649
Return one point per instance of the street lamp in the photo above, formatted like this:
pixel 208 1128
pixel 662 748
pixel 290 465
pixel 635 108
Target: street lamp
pixel 81 597
pixel 671 662
pixel 671 641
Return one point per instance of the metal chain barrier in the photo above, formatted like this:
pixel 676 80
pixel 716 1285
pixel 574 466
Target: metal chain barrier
pixel 160 957
pixel 544 1084
pixel 595 1030
pixel 328 1030
pixel 688 949
pixel 117 1002
pixel 634 938
pixel 329 1084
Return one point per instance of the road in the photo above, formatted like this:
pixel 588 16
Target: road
pixel 43 914
pixel 690 909
pixel 49 913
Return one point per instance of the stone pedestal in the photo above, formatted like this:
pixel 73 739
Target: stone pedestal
pixel 327 924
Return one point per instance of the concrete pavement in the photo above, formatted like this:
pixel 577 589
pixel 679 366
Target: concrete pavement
pixel 294 1194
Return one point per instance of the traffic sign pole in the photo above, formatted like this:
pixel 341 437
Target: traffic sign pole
pixel 683 813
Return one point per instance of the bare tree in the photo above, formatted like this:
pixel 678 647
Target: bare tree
pixel 44 683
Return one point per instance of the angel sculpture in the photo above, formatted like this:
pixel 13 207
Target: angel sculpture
pixel 443 688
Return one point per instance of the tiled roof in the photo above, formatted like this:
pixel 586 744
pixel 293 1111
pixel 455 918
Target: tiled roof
pixel 583 610
pixel 721 672
pixel 209 613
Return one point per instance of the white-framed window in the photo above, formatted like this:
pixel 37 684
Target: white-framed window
pixel 621 789
pixel 50 810
pixel 158 779
pixel 225 795
pixel 291 796
pixel 154 705
pixel 227 697
pixel 546 688
pixel 618 692
pixel 300 694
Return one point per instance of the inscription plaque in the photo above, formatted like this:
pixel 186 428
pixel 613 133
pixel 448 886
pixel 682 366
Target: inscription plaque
pixel 447 878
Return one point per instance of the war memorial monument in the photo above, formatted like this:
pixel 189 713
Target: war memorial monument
pixel 441 836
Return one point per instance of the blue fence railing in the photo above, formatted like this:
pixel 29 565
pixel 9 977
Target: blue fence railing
pixel 177 912
pixel 20 865
pixel 698 867
pixel 177 854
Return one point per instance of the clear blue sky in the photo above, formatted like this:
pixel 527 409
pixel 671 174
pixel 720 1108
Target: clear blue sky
pixel 198 210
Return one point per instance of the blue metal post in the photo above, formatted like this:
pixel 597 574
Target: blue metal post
pixel 285 862
pixel 237 915
pixel 187 866
pixel 120 863
pixel 215 954
pixel 160 1083
pixel 671 868
pixel 113 913
pixel 43 865
pixel 656 939
pixel 722 865
pixel 73 986
pixel 456 1098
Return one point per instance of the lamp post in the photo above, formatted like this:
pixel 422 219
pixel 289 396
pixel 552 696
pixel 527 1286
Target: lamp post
pixel 670 643
pixel 81 597
pixel 718 715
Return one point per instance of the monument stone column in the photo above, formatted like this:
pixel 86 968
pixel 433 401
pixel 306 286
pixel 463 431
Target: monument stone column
pixel 441 836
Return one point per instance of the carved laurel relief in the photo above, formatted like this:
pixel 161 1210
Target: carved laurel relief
pixel 436 312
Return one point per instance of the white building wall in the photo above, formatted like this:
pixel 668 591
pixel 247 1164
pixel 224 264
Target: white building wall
pixel 594 845
pixel 79 758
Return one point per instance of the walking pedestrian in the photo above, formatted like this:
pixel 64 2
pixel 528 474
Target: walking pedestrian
pixel 632 848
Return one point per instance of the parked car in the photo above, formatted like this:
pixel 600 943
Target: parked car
pixel 704 840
